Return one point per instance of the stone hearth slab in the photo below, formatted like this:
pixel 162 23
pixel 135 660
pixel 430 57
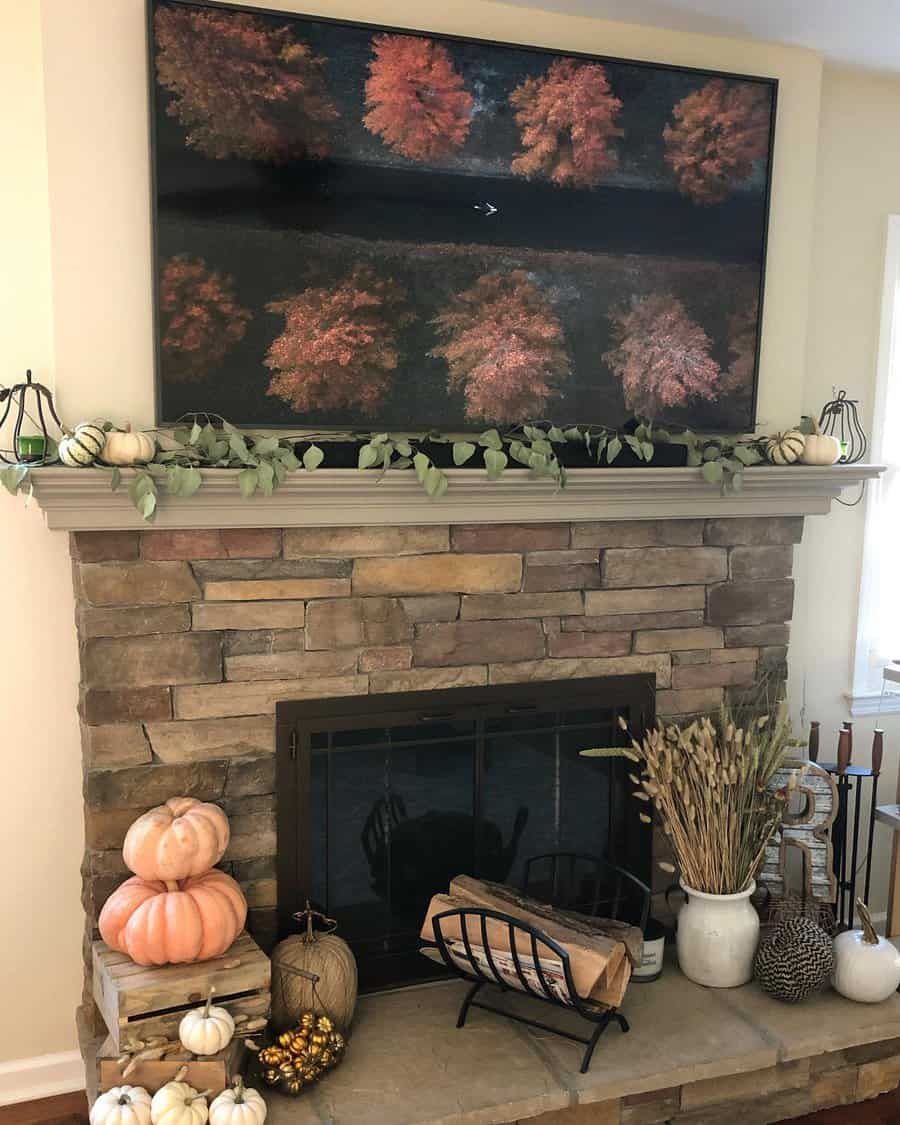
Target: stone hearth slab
pixel 409 1065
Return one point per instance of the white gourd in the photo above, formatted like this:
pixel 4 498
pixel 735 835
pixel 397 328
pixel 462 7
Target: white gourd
pixel 206 1030
pixel 821 449
pixel 786 448
pixel 122 1105
pixel 238 1106
pixel 127 447
pixel 82 447
pixel 177 1103
pixel 866 967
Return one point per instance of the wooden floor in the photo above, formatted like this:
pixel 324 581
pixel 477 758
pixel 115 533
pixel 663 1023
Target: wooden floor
pixel 72 1109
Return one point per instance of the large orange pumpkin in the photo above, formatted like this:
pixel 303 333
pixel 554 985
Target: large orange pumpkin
pixel 157 923
pixel 181 838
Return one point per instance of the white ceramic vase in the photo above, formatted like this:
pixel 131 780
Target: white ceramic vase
pixel 717 937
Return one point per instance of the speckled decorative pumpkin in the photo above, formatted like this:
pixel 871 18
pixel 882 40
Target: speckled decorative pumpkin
pixel 796 960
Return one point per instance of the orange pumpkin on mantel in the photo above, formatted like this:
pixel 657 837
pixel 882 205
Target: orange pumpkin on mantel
pixel 181 838
pixel 162 923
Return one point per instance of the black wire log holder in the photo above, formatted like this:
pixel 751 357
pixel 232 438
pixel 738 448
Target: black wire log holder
pixel 534 984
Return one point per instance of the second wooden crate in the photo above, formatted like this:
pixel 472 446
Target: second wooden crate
pixel 138 1002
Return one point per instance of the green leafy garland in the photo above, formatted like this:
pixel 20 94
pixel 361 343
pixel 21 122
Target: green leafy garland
pixel 266 462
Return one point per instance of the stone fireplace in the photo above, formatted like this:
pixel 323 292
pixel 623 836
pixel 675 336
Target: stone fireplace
pixel 190 638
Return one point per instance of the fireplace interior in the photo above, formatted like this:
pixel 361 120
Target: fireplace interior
pixel 381 801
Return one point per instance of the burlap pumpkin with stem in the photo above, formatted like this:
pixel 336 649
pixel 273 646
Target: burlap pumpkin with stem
pixel 314 971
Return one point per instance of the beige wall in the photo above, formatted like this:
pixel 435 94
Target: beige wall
pixel 92 55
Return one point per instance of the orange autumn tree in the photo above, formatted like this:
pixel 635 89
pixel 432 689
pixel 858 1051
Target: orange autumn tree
pixel 737 379
pixel 416 98
pixel 718 133
pixel 243 88
pixel 504 346
pixel 339 345
pixel 661 355
pixel 201 319
pixel 567 119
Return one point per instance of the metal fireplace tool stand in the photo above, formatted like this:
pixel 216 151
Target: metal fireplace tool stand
pixel 531 980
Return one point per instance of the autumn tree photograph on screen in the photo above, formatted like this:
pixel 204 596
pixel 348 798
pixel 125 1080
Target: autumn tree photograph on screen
pixel 360 227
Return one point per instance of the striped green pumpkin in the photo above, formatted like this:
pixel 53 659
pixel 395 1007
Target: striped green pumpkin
pixel 82 447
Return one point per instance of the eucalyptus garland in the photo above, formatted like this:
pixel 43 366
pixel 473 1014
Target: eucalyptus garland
pixel 265 462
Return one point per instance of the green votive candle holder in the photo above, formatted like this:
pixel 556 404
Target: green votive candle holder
pixel 31 447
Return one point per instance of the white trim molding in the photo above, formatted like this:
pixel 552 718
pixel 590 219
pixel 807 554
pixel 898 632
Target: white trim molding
pixel 43 1076
pixel 81 500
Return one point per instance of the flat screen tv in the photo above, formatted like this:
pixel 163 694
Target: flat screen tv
pixel 361 227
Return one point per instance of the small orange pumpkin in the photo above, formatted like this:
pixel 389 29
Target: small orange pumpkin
pixel 181 838
pixel 163 923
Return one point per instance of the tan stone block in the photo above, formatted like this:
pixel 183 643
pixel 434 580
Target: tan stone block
pixel 350 542
pixel 290 665
pixel 125 705
pixel 252 542
pixel 592 1113
pixel 252 836
pixel 751 563
pixel 261 892
pixel 138 583
pixel 185 545
pixel 520 537
pixel 248 615
pixel 106 828
pixel 140 787
pixel 431 607
pixel 773 654
pixel 754 531
pixel 713 675
pixel 741 636
pixel 104 546
pixel 663 566
pixel 585 557
pixel 428 679
pixel 172 658
pixel 385 659
pixel 638 533
pixel 246 570
pixel 751 603
pixel 248 777
pixel 133 621
pixel 695 657
pixel 243 642
pixel 785 1105
pixel 570 576
pixel 699 701
pixel 834 1087
pixel 753 1084
pixel 499 607
pixel 203 739
pixel 878 1077
pixel 874 1051
pixel 678 640
pixel 114 744
pixel 273 589
pixel 346 622
pixel 679 619
pixel 468 642
pixel 212 701
pixel 437 574
pixel 665 599
pixel 656 1107
pixel 589 644
pixel 657 664
pixel 734 655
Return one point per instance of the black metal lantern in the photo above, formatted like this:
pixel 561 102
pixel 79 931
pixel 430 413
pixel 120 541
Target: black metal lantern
pixel 33 449
pixel 840 419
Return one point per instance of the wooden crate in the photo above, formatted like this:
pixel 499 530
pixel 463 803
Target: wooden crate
pixel 213 1072
pixel 137 1002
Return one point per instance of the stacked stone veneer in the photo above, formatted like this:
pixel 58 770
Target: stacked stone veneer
pixel 189 638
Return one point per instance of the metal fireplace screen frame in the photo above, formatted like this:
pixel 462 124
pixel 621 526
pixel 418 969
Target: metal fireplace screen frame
pixel 301 724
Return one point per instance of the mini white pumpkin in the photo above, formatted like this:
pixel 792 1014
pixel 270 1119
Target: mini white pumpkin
pixel 785 448
pixel 866 967
pixel 821 449
pixel 128 447
pixel 238 1106
pixel 177 1103
pixel 206 1030
pixel 122 1105
pixel 82 447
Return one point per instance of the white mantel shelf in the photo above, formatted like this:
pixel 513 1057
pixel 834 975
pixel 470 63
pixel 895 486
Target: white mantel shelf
pixel 81 500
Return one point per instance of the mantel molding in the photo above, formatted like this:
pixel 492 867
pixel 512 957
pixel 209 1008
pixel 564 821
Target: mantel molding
pixel 81 500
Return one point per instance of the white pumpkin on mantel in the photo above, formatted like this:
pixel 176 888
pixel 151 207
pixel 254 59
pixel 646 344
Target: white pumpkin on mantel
pixel 866 966
pixel 128 447
pixel 821 449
